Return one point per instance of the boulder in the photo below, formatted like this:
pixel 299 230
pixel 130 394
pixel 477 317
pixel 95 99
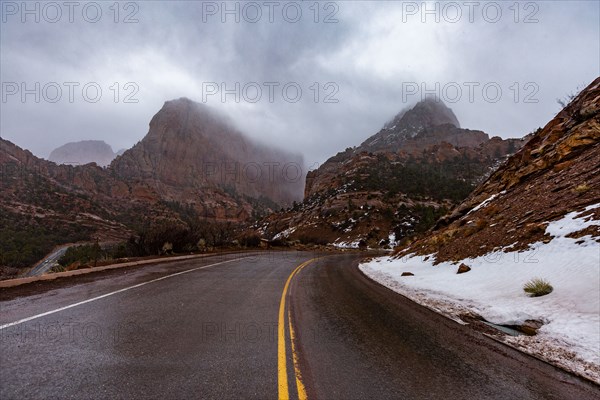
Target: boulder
pixel 408 274
pixel 463 268
pixel 531 326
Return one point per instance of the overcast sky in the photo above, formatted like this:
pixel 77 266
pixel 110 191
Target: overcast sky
pixel 373 58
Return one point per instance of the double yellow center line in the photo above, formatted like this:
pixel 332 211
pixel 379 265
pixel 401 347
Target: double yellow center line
pixel 282 375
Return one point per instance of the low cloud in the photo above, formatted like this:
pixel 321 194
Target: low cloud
pixel 355 72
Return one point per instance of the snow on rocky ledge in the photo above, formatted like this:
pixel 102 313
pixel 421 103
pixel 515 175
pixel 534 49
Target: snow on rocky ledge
pixel 284 234
pixel 346 245
pixel 493 289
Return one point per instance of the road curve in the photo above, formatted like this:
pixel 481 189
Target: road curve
pixel 359 340
pixel 48 262
pixel 208 333
pixel 251 326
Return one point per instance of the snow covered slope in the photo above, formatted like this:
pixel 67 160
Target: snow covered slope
pixel 537 216
pixel 493 289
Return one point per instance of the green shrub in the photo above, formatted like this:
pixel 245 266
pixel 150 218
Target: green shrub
pixel 250 241
pixel 312 239
pixel 538 287
pixel 85 254
pixel 57 268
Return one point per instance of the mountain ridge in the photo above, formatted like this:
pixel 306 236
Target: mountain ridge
pixel 554 173
pixel 428 164
pixel 190 148
pixel 84 152
pixel 158 183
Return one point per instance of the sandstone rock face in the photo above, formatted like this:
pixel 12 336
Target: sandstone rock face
pixel 554 173
pixel 429 128
pixel 395 184
pixel 60 195
pixel 192 165
pixel 84 152
pixel 195 156
pixel 409 123
pixel 191 156
pixel 531 326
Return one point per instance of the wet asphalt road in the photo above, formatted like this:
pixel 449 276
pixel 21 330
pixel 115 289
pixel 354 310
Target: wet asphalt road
pixel 213 332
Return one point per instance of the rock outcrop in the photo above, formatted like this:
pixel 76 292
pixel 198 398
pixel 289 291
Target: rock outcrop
pixel 462 268
pixel 195 156
pixel 84 152
pixel 429 127
pixel 193 165
pixel 395 184
pixel 556 172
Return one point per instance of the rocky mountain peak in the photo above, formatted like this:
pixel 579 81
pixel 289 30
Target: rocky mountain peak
pixel 179 118
pixel 427 116
pixel 555 173
pixel 426 113
pixel 194 154
pixel 83 152
pixel 395 184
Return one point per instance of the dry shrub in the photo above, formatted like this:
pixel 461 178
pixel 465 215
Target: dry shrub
pixel 537 287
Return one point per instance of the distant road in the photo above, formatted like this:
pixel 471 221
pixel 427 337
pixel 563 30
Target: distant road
pixel 252 326
pixel 47 263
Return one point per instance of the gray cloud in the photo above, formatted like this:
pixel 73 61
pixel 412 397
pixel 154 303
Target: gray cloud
pixel 372 54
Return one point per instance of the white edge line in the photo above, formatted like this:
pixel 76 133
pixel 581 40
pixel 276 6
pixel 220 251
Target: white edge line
pixel 112 293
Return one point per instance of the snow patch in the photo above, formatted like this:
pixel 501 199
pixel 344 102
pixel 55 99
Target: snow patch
pixel 392 240
pixel 572 222
pixel 285 233
pixel 346 245
pixel 570 336
pixel 486 201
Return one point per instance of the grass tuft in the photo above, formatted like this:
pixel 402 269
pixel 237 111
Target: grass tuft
pixel 582 188
pixel 538 287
